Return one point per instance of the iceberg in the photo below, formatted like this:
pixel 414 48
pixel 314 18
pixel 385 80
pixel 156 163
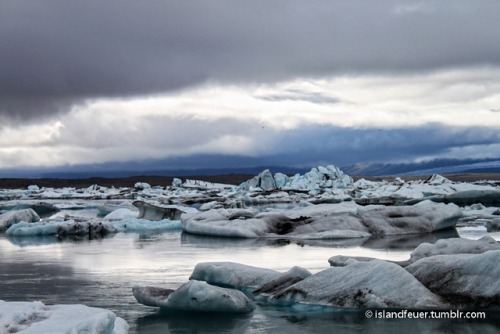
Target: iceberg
pixel 90 228
pixel 35 317
pixel 463 279
pixel 15 216
pixel 154 211
pixel 195 296
pixel 454 246
pixel 233 275
pixel 374 284
pixel 315 181
pixel 328 221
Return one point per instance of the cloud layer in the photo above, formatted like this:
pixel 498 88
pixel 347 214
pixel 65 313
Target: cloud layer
pixel 294 81
pixel 55 53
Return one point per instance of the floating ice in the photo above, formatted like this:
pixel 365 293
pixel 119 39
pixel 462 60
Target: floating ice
pixel 15 216
pixel 91 228
pixel 234 275
pixel 454 246
pixel 326 222
pixel 313 181
pixel 463 279
pixel 195 296
pixel 155 211
pixel 35 317
pixel 374 284
pixel 449 246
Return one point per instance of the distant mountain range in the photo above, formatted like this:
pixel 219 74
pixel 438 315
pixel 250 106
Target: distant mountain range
pixel 442 166
pixel 168 168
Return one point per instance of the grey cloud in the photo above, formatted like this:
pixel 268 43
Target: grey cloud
pixel 345 146
pixel 298 95
pixel 54 53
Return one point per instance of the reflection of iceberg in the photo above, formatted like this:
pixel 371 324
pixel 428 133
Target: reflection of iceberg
pixel 392 242
pixel 187 322
pixel 35 317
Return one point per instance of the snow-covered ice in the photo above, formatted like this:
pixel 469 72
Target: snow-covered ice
pixel 36 318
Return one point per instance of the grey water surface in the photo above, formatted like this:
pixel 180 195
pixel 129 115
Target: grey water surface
pixel 101 273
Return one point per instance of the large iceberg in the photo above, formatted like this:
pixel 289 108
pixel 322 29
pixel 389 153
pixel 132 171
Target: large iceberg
pixel 315 180
pixel 463 279
pixel 375 284
pixel 327 222
pixel 35 318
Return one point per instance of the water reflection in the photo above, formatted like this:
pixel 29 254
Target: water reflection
pixel 182 322
pixel 101 273
pixel 275 320
pixel 395 242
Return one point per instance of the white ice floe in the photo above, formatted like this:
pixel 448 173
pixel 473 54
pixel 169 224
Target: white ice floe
pixel 470 279
pixel 204 185
pixel 436 188
pixel 454 246
pixel 313 181
pixel 15 216
pixel 142 186
pixel 234 275
pixel 195 296
pixel 120 214
pixel 36 318
pixel 324 222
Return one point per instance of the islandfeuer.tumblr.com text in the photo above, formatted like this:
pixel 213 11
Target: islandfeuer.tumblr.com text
pixel 406 314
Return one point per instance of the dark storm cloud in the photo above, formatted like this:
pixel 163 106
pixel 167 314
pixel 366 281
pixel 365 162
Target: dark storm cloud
pixel 343 146
pixel 56 53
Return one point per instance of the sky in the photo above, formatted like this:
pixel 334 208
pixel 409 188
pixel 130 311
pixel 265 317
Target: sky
pixel 292 82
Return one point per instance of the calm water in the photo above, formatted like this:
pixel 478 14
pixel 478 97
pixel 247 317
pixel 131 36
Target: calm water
pixel 102 273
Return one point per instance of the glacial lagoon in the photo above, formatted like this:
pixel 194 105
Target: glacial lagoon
pixel 102 272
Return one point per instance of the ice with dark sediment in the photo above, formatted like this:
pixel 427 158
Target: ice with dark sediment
pixel 376 284
pixel 91 228
pixel 463 279
pixel 326 222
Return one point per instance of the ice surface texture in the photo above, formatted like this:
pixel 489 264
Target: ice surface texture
pixel 195 296
pixel 326 223
pixel 36 318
